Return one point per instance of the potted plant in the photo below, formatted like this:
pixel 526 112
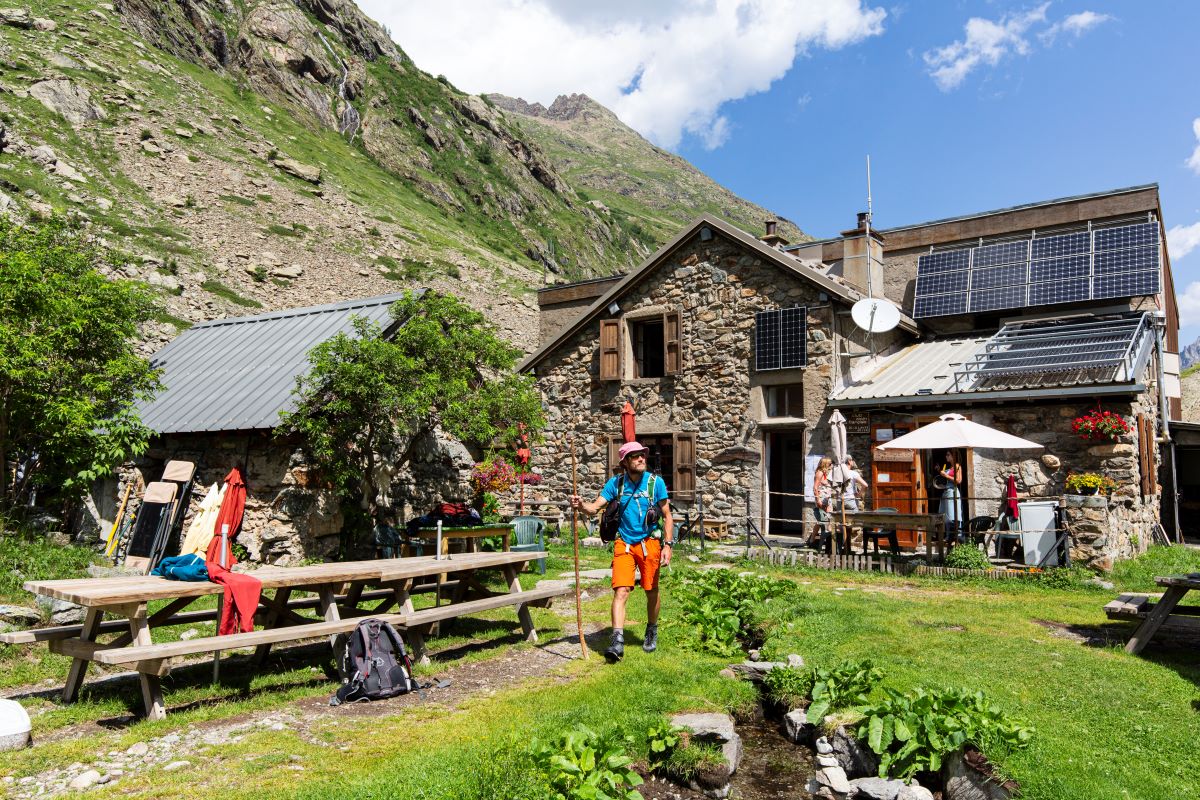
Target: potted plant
pixel 492 476
pixel 1099 425
pixel 1089 483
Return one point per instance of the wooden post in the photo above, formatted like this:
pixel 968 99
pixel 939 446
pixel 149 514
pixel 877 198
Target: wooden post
pixel 575 539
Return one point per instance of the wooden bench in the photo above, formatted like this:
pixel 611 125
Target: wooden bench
pixel 340 590
pixel 1165 614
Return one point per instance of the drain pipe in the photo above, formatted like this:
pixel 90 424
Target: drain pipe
pixel 1163 415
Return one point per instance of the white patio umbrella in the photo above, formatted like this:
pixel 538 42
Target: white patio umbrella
pixel 955 430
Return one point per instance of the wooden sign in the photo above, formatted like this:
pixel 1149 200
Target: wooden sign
pixel 892 455
pixel 858 422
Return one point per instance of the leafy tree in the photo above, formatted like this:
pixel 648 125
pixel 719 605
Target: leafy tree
pixel 371 394
pixel 69 373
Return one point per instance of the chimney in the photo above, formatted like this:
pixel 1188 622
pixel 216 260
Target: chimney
pixel 772 239
pixel 862 263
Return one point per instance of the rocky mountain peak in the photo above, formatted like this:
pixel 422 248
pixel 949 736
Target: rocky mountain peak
pixel 568 107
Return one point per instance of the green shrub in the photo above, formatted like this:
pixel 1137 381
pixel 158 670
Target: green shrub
pixel 34 557
pixel 841 686
pixel 914 732
pixel 1064 577
pixel 720 607
pixel 581 765
pixel 789 686
pixel 967 556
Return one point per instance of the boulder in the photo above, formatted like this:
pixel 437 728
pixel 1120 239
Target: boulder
pixel 877 788
pixel 43 24
pixel 914 791
pixel 835 779
pixel 797 727
pixel 168 283
pixel 716 729
pixel 43 155
pixel 61 611
pixel 969 776
pixel 856 758
pixel 20 615
pixel 85 780
pixel 68 99
pixel 302 171
pixel 17 17
pixel 290 272
pixel 64 170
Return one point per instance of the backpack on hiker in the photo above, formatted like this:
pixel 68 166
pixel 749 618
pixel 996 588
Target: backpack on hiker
pixel 610 520
pixel 374 665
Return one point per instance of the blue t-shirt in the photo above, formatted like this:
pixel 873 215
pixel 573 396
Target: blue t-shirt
pixel 632 528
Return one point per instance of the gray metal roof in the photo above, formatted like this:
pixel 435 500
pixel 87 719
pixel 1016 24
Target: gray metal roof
pixel 238 374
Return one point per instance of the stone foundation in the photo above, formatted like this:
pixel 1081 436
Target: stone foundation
pixel 1107 529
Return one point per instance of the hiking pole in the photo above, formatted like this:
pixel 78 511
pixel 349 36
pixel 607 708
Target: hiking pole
pixel 575 537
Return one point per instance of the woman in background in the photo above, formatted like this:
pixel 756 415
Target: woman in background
pixel 823 492
pixel 951 508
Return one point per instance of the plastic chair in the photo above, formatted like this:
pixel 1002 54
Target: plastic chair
pixel 875 534
pixel 529 535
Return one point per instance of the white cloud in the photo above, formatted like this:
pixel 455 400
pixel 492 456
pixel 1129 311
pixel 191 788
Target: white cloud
pixel 1189 305
pixel 665 68
pixel 987 42
pixel 1194 161
pixel 1183 239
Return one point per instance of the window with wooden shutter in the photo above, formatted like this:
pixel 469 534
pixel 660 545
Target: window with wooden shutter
pixel 672 337
pixel 610 349
pixel 684 487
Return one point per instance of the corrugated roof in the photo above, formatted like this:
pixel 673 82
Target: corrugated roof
pixel 238 374
pixel 919 370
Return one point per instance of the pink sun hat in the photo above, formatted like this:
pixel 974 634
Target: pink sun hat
pixel 628 449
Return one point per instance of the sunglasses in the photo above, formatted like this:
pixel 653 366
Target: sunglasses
pixel 642 455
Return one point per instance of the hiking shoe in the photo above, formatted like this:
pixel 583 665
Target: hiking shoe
pixel 616 648
pixel 650 643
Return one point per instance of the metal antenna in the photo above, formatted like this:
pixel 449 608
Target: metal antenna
pixel 870 289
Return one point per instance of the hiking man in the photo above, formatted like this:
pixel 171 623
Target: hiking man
pixel 635 491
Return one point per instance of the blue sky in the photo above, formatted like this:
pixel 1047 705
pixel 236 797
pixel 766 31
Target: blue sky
pixel 963 106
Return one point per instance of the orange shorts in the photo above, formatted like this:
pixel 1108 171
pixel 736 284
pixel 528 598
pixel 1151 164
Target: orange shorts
pixel 628 557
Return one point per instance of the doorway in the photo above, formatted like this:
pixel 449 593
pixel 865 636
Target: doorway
pixel 897 477
pixel 785 482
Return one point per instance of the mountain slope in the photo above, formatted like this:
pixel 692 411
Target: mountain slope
pixel 249 154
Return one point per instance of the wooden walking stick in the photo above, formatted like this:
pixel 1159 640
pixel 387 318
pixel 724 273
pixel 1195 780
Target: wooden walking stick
pixel 575 537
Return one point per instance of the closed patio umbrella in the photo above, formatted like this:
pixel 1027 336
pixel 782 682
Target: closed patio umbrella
pixel 229 520
pixel 955 430
pixel 628 424
pixel 837 445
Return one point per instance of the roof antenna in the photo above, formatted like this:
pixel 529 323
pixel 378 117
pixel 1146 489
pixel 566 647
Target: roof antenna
pixel 872 314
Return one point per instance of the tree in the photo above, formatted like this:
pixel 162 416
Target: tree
pixel 369 397
pixel 69 373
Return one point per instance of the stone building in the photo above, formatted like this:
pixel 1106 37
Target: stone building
pixel 225 383
pixel 734 350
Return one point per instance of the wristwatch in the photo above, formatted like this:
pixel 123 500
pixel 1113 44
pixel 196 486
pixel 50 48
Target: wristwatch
pixel 669 544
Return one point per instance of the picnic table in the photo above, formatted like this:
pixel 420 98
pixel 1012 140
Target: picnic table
pixel 930 527
pixel 470 535
pixel 345 593
pixel 1154 616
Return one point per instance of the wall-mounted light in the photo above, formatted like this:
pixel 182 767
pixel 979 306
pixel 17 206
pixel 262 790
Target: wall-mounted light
pixel 705 234
pixel 613 308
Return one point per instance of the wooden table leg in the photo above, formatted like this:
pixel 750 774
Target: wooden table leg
pixel 152 696
pixel 1162 610
pixel 416 640
pixel 514 587
pixel 282 595
pixel 91 626
pixel 327 605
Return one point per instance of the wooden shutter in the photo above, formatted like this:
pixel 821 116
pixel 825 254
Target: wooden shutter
pixel 673 357
pixel 1145 454
pixel 684 486
pixel 614 463
pixel 610 349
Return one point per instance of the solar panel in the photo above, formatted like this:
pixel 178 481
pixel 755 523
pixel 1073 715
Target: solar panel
pixel 1059 291
pixel 944 262
pixel 1004 253
pixel 1141 235
pixel 998 276
pixel 1057 269
pixel 940 305
pixel 780 338
pixel 1065 245
pixel 1139 258
pixel 992 299
pixel 1126 284
pixel 942 282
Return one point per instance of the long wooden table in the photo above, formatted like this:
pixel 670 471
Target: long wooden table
pixel 1153 616
pixel 931 526
pixel 342 599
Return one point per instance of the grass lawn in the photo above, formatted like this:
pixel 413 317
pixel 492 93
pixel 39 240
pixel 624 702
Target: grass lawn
pixel 1108 724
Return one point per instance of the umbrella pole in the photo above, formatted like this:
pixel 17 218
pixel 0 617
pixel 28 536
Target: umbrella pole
pixel 575 539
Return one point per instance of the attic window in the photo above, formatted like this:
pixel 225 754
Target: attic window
pixel 648 351
pixel 780 338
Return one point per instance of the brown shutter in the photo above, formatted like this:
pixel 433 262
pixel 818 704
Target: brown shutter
pixel 614 463
pixel 1145 454
pixel 610 349
pixel 673 358
pixel 684 487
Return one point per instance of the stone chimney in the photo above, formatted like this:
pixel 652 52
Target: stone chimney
pixel 860 260
pixel 772 239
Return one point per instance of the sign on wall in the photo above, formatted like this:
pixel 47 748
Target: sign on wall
pixel 892 455
pixel 858 422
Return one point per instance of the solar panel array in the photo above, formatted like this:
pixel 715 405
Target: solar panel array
pixel 780 337
pixel 1099 264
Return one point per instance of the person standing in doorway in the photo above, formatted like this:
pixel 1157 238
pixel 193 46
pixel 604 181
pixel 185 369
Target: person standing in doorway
pixel 854 483
pixel 642 499
pixel 951 507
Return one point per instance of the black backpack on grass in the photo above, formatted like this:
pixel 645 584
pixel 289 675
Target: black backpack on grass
pixel 374 665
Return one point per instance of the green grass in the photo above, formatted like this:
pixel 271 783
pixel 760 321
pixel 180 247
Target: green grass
pixel 30 557
pixel 221 290
pixel 238 199
pixel 283 230
pixel 170 319
pixel 1137 575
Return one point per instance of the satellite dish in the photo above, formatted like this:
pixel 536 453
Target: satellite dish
pixel 875 315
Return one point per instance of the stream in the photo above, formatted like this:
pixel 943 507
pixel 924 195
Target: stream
pixel 349 120
pixel 772 767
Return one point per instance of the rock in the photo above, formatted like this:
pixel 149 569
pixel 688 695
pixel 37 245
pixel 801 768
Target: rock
pixel 855 757
pixel 835 779
pixel 43 24
pixel 302 171
pixel 877 788
pixel 795 661
pixel 717 729
pixel 61 612
pixel 104 204
pixel 20 615
pixel 969 776
pixel 43 155
pixel 1095 580
pixel 728 673
pixel 176 765
pixel 592 541
pixel 85 780
pixel 151 148
pixel 1051 462
pixel 827 761
pixel 14 725
pixel 174 201
pixel 294 271
pixel 65 170
pixel 183 133
pixel 755 655
pixel 138 749
pixel 756 670
pixel 68 99
pixel 797 727
pixel 914 791
pixel 168 283
pixel 17 17
pixel 823 746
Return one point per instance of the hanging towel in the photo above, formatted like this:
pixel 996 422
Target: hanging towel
pixel 187 567
pixel 1010 496
pixel 200 532
pixel 242 593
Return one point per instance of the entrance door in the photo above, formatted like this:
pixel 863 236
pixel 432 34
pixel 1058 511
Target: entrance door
pixel 785 479
pixel 896 477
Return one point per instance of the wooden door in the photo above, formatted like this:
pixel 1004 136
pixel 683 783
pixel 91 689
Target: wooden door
pixel 896 478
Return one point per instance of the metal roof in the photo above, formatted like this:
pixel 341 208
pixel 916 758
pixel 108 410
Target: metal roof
pixel 238 374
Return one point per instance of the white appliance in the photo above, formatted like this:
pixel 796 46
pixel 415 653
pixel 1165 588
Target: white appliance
pixel 1038 531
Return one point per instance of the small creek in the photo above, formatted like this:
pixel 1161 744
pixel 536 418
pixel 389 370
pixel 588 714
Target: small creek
pixel 350 120
pixel 772 767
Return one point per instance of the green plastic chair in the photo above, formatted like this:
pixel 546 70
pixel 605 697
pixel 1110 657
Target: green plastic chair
pixel 529 536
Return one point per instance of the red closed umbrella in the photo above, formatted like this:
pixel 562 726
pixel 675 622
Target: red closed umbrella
pixel 628 425
pixel 242 592
pixel 229 521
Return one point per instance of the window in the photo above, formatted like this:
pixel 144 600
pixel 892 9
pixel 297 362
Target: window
pixel 779 338
pixel 652 342
pixel 784 401
pixel 672 456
